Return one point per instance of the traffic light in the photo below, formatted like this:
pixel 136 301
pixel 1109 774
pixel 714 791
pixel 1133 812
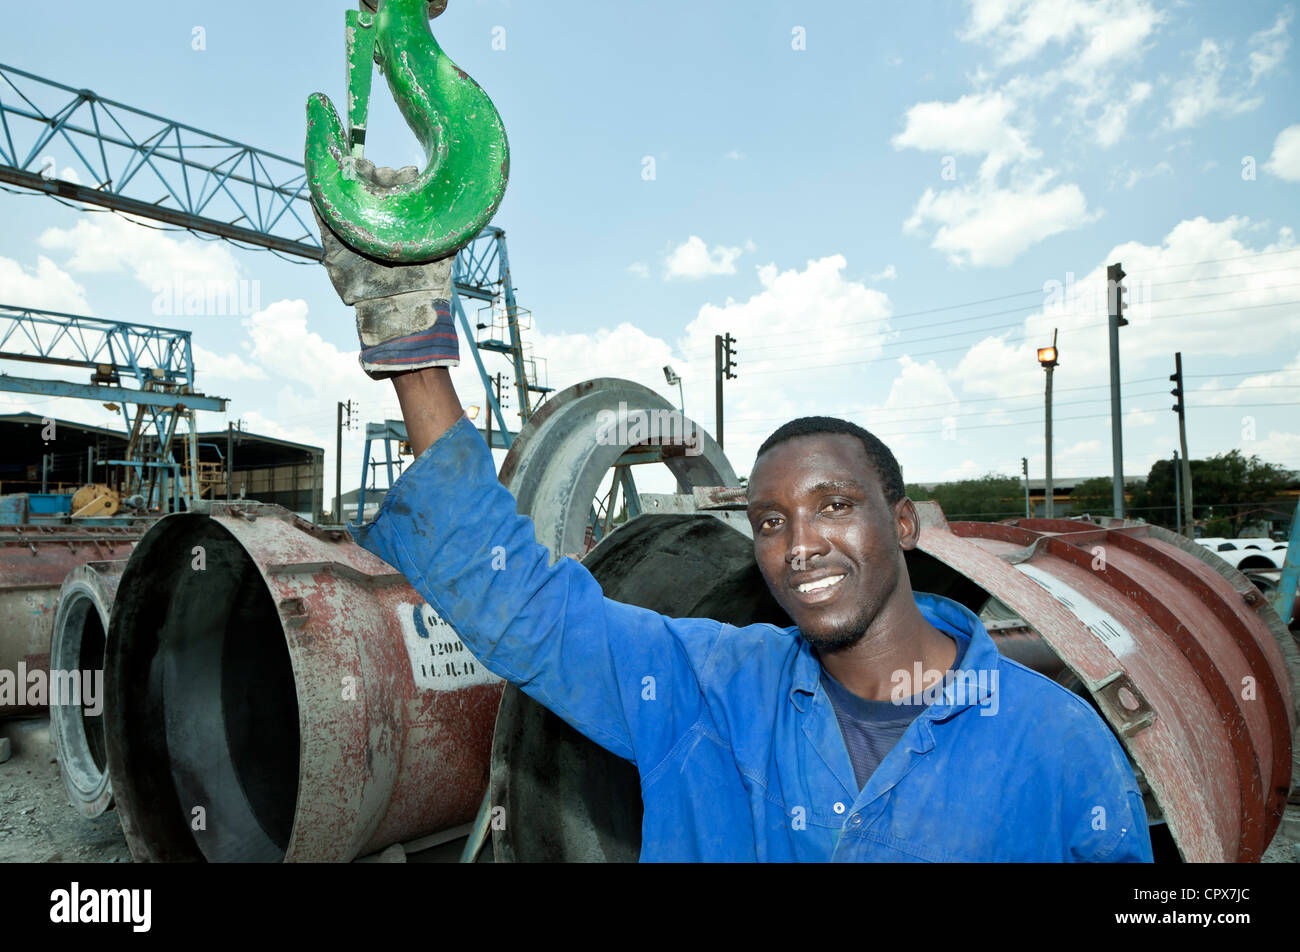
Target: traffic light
pixel 1177 378
pixel 728 353
pixel 1115 275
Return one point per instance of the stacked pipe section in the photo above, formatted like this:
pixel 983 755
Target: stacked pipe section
pixel 34 561
pixel 277 693
pixel 77 651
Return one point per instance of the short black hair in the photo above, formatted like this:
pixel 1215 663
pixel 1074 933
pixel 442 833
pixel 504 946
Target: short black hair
pixel 878 454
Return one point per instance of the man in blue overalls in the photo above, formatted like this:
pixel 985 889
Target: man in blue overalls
pixel 883 725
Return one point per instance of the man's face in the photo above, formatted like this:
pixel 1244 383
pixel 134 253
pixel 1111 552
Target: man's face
pixel 827 543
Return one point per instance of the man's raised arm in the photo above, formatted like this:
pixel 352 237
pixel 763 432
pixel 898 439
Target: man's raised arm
pixel 624 676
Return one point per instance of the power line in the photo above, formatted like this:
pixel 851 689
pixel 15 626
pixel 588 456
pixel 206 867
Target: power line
pixel 976 317
pixel 560 368
pixel 986 330
pixel 966 347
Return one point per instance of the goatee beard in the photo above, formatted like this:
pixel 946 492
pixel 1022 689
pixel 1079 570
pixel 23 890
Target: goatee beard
pixel 841 639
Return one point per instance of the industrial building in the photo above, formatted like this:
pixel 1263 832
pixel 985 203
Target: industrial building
pixel 237 464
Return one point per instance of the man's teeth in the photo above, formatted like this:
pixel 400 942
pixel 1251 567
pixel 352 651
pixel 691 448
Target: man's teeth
pixel 820 583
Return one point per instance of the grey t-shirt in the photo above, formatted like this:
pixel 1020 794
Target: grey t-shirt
pixel 872 728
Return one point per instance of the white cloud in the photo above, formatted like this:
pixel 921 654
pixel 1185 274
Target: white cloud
pixel 1164 317
pixel 990 226
pixel 694 259
pixel 977 124
pixel 800 318
pixel 920 409
pixel 1269 47
pixel 792 336
pixel 1131 177
pixel 1285 160
pixel 1093 35
pixel 1077 458
pixel 734 155
pixel 109 243
pixel 1200 94
pixel 283 345
pixel 1251 389
pixel 888 274
pixel 639 268
pixel 1096 46
pixel 966 469
pixel 1277 447
pixel 49 288
pixel 1113 122
pixel 224 366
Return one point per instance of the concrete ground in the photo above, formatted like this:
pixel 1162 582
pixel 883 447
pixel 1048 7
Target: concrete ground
pixel 39 825
pixel 37 822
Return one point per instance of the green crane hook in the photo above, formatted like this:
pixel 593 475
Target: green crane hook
pixel 403 217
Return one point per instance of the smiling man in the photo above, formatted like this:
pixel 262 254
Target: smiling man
pixel 882 725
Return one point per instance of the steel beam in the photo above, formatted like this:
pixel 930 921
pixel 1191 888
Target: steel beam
pixel 60 388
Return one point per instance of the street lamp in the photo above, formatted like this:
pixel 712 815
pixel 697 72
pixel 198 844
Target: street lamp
pixel 672 378
pixel 1047 359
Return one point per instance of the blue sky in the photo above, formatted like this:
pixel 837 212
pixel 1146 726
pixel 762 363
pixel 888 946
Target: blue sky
pixel 836 184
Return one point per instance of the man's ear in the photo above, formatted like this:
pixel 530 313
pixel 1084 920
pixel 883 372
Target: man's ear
pixel 907 523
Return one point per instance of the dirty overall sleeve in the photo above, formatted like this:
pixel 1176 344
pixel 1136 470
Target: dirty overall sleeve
pixel 624 676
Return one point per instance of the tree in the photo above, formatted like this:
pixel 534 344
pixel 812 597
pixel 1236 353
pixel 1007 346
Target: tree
pixel 987 499
pixel 1094 496
pixel 1227 490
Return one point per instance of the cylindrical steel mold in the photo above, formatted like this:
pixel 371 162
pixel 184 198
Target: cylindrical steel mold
pixel 558 460
pixel 81 626
pixel 34 561
pixel 573 799
pixel 1179 652
pixel 276 692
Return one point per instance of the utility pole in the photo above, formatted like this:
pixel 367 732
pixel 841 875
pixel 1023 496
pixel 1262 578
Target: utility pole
pixel 1181 410
pixel 723 355
pixel 1115 297
pixel 497 381
pixel 1047 358
pixel 1024 468
pixel 1178 497
pixel 230 457
pixel 338 463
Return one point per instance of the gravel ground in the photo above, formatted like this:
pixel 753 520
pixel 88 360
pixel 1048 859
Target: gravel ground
pixel 39 825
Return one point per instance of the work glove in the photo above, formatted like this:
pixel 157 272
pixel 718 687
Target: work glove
pixel 403 310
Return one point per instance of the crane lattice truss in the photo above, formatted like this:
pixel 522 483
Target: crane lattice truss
pixel 158 359
pixel 79 146
pixel 52 136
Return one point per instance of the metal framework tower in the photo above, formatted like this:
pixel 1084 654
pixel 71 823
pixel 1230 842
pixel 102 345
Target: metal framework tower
pixel 159 360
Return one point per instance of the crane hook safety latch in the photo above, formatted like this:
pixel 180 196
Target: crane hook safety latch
pixel 407 217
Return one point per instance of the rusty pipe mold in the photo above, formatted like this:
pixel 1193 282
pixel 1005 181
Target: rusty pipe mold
pixel 277 693
pixel 1181 654
pixel 582 802
pixel 556 463
pixel 80 628
pixel 34 561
